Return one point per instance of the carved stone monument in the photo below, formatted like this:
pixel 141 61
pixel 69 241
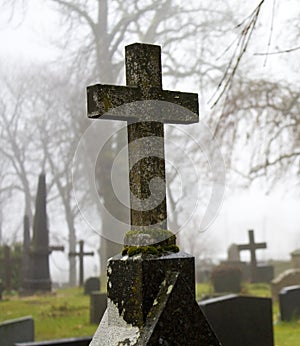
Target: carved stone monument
pixel 40 250
pixel 151 286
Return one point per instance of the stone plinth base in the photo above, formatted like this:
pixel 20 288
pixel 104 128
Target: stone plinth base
pixel 151 301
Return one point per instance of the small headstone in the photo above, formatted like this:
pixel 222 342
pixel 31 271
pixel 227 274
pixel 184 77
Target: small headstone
pixel 240 320
pixel 98 305
pixel 296 259
pixel 91 284
pixel 233 253
pixel 289 277
pixel 17 330
pixel 289 303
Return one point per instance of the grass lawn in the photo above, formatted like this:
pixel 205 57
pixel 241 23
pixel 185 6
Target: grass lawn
pixel 65 313
pixel 57 315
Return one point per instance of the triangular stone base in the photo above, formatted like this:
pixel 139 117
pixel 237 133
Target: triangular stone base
pixel 173 319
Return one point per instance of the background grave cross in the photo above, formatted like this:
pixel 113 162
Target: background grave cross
pixel 252 246
pixel 81 255
pixel 143 82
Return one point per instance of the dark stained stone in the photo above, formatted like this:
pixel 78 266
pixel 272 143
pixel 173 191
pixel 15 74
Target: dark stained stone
pixel 151 301
pixel 289 303
pixel 134 282
pixel 16 330
pixel 98 305
pixel 240 320
pixel 175 318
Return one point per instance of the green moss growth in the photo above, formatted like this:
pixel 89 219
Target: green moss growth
pixel 160 241
pixel 149 250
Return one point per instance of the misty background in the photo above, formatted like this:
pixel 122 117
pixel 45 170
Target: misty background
pixel 242 60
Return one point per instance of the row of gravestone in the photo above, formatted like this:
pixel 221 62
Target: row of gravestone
pixel 236 320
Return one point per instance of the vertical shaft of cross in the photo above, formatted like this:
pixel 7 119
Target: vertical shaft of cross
pixel 252 250
pixel 143 69
pixel 81 254
pixel 7 263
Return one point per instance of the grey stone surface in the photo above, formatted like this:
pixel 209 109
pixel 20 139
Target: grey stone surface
pixel 145 127
pixel 98 305
pixel 233 253
pixel 290 277
pixel 240 320
pixel 295 255
pixel 289 303
pixel 16 330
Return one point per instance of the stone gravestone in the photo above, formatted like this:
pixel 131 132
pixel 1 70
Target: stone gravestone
pixel 233 253
pixel 10 264
pixel 17 330
pixel 240 320
pixel 260 273
pixel 151 295
pixel 39 272
pixel 98 305
pixel 91 284
pixel 81 254
pixel 26 272
pixel 296 259
pixel 233 260
pixel 289 277
pixel 289 303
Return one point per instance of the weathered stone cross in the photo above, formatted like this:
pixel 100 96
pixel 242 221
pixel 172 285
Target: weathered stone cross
pixel 144 127
pixel 81 255
pixel 252 246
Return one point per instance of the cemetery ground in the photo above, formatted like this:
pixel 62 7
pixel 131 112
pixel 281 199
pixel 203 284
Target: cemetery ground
pixel 65 313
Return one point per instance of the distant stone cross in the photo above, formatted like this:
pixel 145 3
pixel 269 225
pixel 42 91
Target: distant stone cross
pixel 81 255
pixel 252 246
pixel 143 83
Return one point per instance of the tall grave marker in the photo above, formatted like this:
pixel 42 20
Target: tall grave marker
pixel 252 247
pixel 81 254
pixel 151 297
pixel 40 250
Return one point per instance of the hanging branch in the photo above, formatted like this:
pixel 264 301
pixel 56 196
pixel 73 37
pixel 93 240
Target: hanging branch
pixel 247 27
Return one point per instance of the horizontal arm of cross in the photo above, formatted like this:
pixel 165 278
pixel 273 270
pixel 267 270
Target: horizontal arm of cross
pixel 57 248
pixel 72 254
pixel 103 101
pixel 254 246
